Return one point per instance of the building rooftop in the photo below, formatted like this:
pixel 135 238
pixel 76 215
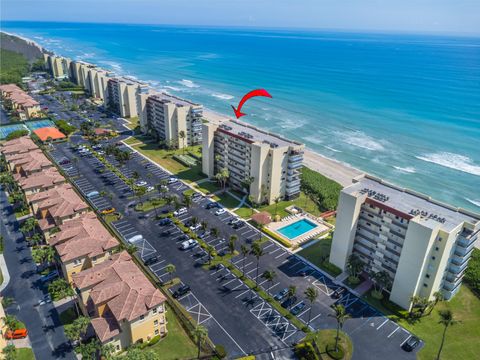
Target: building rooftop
pixel 411 204
pixel 252 134
pixel 167 98
pixel 30 161
pixel 49 132
pixel 20 145
pixel 83 236
pixel 120 284
pixel 17 95
pixel 42 179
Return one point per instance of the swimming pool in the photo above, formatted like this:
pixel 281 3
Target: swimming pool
pixel 296 229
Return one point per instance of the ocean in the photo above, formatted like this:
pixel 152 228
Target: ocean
pixel 402 107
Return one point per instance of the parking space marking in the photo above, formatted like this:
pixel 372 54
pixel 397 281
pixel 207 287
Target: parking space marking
pixel 393 332
pixel 378 328
pixel 404 341
pixel 236 297
pixel 279 256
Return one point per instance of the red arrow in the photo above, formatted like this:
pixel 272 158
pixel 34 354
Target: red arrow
pixel 257 92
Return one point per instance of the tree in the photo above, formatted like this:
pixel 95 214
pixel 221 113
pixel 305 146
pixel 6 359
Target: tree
pixel 210 251
pixel 10 322
pixel 446 319
pixel 276 200
pixel 28 226
pixel 77 329
pixel 251 200
pixel 257 251
pixel 246 183
pixel 187 200
pixel 200 334
pixel 437 297
pixel 204 225
pixel 381 280
pixel 89 350
pixel 244 250
pixel 269 275
pixel 311 294
pixel 7 301
pixel 231 243
pixel 170 269
pixel 291 293
pixel 60 289
pixel 341 316
pixel 215 232
pixel 10 352
pixel 354 266
pixel 182 136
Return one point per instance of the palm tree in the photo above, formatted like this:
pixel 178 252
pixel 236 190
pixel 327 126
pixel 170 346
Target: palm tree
pixel 231 243
pixel 187 200
pixel 170 269
pixel 291 293
pixel 181 135
pixel 194 220
pixel 311 294
pixel 446 319
pixel 269 275
pixel 210 251
pixel 200 334
pixel 438 297
pixel 222 177
pixel 277 200
pixel 244 250
pixel 215 232
pixel 204 225
pixel 341 316
pixel 28 226
pixel 257 251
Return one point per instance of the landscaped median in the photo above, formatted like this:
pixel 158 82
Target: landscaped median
pixel 322 344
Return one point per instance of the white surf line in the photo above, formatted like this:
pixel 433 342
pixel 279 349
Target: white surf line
pixel 382 324
pixel 393 332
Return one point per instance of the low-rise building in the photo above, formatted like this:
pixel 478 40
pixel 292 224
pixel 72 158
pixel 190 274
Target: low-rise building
pixel 18 101
pixel 54 207
pixel 18 146
pixel 125 308
pixel 265 164
pixel 423 245
pixel 25 164
pixel 82 243
pixel 49 134
pixel 40 181
pixel 170 119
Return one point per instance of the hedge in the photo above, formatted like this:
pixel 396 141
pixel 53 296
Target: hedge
pixel 65 127
pixel 16 134
pixel 322 190
pixel 305 351
pixel 276 237
pixel 472 274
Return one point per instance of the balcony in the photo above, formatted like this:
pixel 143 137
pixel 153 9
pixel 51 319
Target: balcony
pixel 295 165
pixel 295 158
pixel 457 269
pixel 466 241
pixel 464 252
pixel 293 190
pixel 295 183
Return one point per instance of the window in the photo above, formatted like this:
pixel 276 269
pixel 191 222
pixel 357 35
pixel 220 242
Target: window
pixel 157 332
pixel 154 310
pixel 77 262
pixel 425 285
pixel 155 323
pixel 427 276
pixel 433 257
pixel 142 317
pixel 94 259
pixel 439 239
pixel 436 249
pixel 118 347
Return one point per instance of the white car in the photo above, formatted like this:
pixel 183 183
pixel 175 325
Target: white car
pixel 172 180
pixel 195 227
pixel 190 243
pixel 180 211
pixel 141 183
pixel 220 211
pixel 150 188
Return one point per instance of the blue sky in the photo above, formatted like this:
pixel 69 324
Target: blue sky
pixel 442 16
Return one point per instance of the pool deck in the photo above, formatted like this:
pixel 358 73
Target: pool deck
pixel 321 228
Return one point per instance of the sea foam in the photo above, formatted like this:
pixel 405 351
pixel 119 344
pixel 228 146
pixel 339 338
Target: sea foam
pixel 406 169
pixel 189 83
pixel 452 161
pixel 474 202
pixel 223 96
pixel 360 139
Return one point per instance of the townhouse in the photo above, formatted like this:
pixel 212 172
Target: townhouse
pixel 18 101
pixel 18 146
pixel 82 243
pixel 26 163
pixel 40 181
pixel 264 164
pixel 423 245
pixel 125 308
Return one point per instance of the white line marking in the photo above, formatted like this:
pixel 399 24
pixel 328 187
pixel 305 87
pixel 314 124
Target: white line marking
pixel 382 324
pixel 404 341
pixel 393 332
pixel 236 297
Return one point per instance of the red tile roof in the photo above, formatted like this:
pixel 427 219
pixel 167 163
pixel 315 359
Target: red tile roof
pixel 20 145
pixel 49 132
pixel 41 180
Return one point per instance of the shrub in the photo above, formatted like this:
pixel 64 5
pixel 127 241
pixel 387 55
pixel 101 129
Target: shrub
pixel 335 354
pixel 13 66
pixel 322 190
pixel 220 351
pixel 65 127
pixel 154 340
pixel 16 134
pixel 472 274
pixel 305 351
pixel 276 237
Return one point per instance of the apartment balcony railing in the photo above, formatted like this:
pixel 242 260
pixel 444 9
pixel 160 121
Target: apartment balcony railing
pixel 457 269
pixel 467 241
pixel 292 184
pixel 295 158
pixel 295 165
pixel 293 190
pixel 464 252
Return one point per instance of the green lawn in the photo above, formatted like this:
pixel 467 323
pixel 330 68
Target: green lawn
pixel 1 278
pixel 24 354
pixel 244 212
pixel 67 316
pixel 150 204
pixel 302 202
pixel 324 337
pixel 134 122
pixel 226 200
pixel 208 187
pixel 177 344
pixel 318 254
pixel 136 139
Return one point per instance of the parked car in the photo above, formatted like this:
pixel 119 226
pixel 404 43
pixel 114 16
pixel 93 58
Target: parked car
pixel 195 227
pixel 220 211
pixel 338 293
pixel 109 210
pixel 411 343
pixel 150 260
pixel 150 188
pixel 298 308
pixel 49 277
pixel 165 221
pixel 182 290
pixel 92 194
pixel 16 334
pixel 166 233
pixel 189 244
pixel 289 302
pixel 204 234
pixel 180 211
pixel 172 180
pixel 212 205
pixel 64 161
pixel 234 221
pixel 281 294
pixel 135 239
pixel 239 225
pixel 141 183
pixel 47 299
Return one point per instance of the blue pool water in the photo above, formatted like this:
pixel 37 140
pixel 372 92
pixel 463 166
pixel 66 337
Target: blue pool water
pixel 297 228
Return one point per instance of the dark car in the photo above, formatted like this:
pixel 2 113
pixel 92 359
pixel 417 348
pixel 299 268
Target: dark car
pixel 289 302
pixel 165 221
pixel 166 233
pixel 212 205
pixel 183 237
pixel 64 161
pixel 239 225
pixel 337 294
pixel 411 344
pixel 182 290
pixel 281 294
pixel 151 260
pixel 298 308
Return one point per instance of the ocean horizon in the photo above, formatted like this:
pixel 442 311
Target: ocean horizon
pixel 402 107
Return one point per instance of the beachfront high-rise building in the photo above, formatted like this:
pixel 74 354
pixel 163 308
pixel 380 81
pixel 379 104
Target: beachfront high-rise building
pixel 423 245
pixel 175 121
pixel 122 94
pixel 265 164
pixel 55 65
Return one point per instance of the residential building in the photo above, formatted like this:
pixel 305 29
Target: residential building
pixel 56 67
pixel 125 308
pixel 40 181
pixel 166 117
pixel 25 164
pixel 82 243
pixel 19 102
pixel 423 245
pixel 49 134
pixel 265 164
pixel 56 206
pixel 18 146
pixel 122 96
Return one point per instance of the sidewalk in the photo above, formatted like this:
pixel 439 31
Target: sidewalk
pixel 5 273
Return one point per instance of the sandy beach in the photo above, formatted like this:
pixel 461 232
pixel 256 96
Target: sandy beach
pixel 332 169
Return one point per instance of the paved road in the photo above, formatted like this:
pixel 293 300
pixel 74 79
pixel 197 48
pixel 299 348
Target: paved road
pixel 43 324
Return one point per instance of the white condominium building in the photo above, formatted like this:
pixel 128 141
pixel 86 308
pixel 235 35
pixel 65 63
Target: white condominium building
pixel 268 162
pixel 56 66
pixel 422 244
pixel 122 96
pixel 165 117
